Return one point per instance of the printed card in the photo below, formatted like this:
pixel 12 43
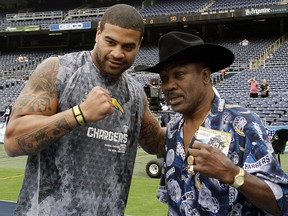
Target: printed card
pixel 218 139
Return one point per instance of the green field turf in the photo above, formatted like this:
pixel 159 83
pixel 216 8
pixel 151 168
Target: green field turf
pixel 142 197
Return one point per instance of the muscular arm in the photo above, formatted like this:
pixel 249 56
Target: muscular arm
pixel 34 123
pixel 210 162
pixel 152 135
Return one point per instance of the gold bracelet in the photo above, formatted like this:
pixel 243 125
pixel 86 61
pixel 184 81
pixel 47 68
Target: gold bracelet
pixel 78 115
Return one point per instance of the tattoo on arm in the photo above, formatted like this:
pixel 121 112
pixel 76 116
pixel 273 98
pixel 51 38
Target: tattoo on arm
pixel 150 141
pixel 34 103
pixel 40 91
pixel 44 80
pixel 41 138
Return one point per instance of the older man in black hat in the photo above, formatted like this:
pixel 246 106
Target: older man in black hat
pixel 218 158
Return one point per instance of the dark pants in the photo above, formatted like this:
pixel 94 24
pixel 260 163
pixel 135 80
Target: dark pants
pixel 264 94
pixel 254 95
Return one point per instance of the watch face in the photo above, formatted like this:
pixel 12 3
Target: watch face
pixel 240 180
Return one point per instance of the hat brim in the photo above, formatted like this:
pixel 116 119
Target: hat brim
pixel 217 57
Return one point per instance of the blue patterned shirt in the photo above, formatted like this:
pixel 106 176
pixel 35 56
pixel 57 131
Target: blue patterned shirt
pixel 250 149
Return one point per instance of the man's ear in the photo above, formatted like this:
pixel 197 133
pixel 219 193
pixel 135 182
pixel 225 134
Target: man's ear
pixel 206 76
pixel 141 39
pixel 98 32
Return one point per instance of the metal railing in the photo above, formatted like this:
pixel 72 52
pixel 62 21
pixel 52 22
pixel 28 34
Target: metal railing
pixel 34 15
pixel 261 59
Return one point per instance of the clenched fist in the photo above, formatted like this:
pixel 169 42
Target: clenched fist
pixel 97 105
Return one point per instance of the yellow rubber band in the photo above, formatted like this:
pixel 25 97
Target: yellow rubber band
pixel 80 119
pixel 78 115
pixel 76 110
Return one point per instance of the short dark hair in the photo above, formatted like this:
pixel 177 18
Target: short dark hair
pixel 124 16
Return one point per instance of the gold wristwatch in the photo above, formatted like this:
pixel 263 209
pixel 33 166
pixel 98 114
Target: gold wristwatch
pixel 239 179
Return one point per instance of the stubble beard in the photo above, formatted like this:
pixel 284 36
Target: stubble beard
pixel 104 68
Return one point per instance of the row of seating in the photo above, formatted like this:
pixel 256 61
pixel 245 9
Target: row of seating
pixel 148 55
pixel 278 58
pixel 9 90
pixel 235 88
pixel 171 8
pixel 17 62
pixel 273 109
pixel 243 54
pixel 158 9
pixel 230 4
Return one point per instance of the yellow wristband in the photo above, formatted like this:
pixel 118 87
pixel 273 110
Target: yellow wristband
pixel 78 115
pixel 76 110
pixel 80 119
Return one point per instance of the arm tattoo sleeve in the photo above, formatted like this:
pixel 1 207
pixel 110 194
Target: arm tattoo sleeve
pixel 39 94
pixel 152 142
pixel 41 138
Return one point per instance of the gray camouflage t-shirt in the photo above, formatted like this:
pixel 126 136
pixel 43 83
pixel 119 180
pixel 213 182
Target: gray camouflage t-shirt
pixel 87 172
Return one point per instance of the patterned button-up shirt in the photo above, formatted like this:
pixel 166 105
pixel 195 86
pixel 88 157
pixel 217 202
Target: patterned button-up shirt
pixel 250 149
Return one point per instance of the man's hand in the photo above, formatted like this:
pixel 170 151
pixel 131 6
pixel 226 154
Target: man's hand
pixel 97 105
pixel 211 162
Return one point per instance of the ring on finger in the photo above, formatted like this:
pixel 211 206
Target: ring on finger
pixel 190 169
pixel 190 160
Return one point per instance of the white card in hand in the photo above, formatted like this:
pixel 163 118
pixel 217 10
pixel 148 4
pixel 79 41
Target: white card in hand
pixel 218 139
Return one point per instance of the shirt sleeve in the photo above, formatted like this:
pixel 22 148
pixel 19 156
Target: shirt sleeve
pixel 261 161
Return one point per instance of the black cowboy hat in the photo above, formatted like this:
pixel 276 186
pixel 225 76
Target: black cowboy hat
pixel 180 45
